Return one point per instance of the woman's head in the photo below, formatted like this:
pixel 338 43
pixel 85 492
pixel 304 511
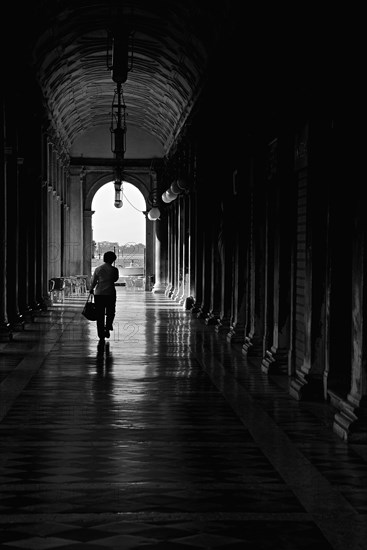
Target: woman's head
pixel 109 257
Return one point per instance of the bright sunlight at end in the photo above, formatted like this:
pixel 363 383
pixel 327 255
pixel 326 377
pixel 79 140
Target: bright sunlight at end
pixel 123 225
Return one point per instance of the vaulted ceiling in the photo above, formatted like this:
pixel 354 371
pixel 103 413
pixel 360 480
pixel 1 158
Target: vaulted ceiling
pixel 171 42
pixel 275 64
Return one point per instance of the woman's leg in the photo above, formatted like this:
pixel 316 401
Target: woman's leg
pixel 101 308
pixel 110 311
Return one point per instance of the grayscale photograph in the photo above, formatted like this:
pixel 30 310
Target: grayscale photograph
pixel 182 276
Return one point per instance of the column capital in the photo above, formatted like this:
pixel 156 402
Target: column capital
pixel 77 172
pixel 88 213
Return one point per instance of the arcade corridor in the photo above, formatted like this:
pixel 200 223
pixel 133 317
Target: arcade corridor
pixel 229 409
pixel 165 438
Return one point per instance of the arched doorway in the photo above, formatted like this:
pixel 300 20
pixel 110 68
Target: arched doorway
pixel 121 229
pixel 143 181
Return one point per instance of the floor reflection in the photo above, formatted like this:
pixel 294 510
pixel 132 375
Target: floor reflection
pixel 164 437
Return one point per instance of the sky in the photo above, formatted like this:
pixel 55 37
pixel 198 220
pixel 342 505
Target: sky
pixel 123 225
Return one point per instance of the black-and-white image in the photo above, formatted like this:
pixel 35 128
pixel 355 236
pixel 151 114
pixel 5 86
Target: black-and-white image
pixel 182 276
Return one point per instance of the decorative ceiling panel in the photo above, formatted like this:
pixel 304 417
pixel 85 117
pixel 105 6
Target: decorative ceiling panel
pixel 172 43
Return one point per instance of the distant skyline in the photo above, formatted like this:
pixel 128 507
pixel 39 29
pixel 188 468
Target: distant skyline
pixel 123 225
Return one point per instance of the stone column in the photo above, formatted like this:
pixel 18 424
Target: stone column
pixel 53 251
pixel 239 292
pixel 39 245
pixel 149 253
pixel 254 338
pixel 197 259
pixel 160 256
pixel 170 255
pixel 214 297
pixel 64 224
pixel 33 259
pixel 57 216
pixel 51 246
pixel 59 240
pixel 26 219
pixel 181 209
pixel 206 275
pixel 13 229
pixel 66 215
pixel 187 254
pixel 275 359
pixel 75 245
pixel 87 257
pixel 43 296
pixel 177 248
pixel 67 222
pixel 225 248
pixel 183 250
pixel 5 331
pixel 350 420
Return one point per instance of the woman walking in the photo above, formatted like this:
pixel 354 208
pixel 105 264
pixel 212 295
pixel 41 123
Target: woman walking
pixel 103 281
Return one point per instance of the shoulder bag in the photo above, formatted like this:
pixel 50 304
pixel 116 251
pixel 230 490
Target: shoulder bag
pixel 89 309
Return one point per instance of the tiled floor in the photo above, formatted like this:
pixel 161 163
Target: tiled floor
pixel 165 438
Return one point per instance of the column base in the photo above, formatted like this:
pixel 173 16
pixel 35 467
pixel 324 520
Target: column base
pixel 47 302
pixel 275 362
pixel 195 310
pixel 236 334
pixel 306 387
pixel 6 333
pixel 344 418
pixel 202 314
pixel 168 291
pixel 28 315
pixel 175 295
pixel 350 420
pixel 212 319
pixel 18 323
pixel 189 303
pixel 247 345
pixel 181 299
pixel 159 288
pixel 38 305
pixel 224 325
pixel 253 346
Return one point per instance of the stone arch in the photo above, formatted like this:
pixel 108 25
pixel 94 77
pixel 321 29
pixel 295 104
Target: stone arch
pixel 142 180
pixel 96 181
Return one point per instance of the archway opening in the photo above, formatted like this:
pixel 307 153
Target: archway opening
pixel 122 230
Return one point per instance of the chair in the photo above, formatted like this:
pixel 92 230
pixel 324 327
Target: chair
pixel 57 289
pixel 81 284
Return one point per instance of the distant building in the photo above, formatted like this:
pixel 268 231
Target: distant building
pixel 128 255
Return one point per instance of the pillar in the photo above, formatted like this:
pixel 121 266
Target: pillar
pixel 170 253
pixel 75 245
pixel 5 331
pixel 87 249
pixel 13 228
pixel 160 246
